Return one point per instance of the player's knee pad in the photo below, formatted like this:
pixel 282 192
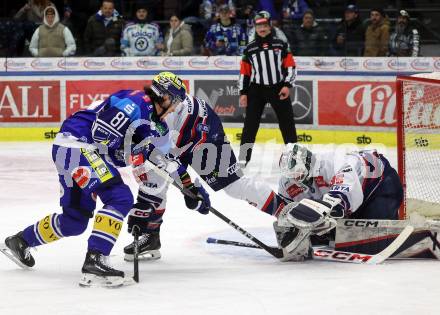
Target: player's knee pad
pixel 72 222
pixel 117 197
pixel 106 228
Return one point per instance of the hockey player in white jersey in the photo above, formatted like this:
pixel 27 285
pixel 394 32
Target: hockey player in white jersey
pixel 201 143
pixel 323 186
pixel 141 38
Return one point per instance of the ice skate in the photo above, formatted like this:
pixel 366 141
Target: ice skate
pixel 16 249
pixel 149 245
pixel 96 272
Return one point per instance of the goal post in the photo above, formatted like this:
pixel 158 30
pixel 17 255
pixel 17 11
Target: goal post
pixel 418 143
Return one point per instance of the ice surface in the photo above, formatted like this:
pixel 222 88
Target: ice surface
pixel 192 277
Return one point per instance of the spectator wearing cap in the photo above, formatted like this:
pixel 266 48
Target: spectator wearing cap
pixel 267 72
pixel 405 40
pixel 377 34
pixel 225 37
pixel 350 34
pixel 141 38
pixel 295 9
pixel 103 31
pixel 309 39
pixel 52 39
pixel 178 39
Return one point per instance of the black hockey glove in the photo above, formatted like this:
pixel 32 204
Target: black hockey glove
pixel 201 202
pixel 140 216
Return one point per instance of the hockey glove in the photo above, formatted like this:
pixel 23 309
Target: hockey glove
pixel 200 200
pixel 139 217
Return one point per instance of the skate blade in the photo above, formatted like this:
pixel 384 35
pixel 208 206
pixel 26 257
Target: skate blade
pixel 89 280
pixel 8 253
pixel 150 255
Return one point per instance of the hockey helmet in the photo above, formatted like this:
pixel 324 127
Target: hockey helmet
pixel 296 162
pixel 167 83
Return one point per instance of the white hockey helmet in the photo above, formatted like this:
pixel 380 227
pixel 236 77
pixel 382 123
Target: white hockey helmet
pixel 296 162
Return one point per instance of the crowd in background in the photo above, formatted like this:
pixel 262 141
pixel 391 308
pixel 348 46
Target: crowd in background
pixel 42 28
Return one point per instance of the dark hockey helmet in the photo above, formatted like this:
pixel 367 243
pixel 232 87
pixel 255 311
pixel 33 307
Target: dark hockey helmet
pixel 167 83
pixel 296 163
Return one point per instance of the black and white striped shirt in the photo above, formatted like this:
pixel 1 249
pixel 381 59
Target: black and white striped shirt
pixel 266 61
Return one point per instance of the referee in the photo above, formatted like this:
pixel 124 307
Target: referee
pixel 267 71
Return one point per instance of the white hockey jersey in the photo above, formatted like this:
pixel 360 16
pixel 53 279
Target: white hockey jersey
pixel 141 39
pixel 351 177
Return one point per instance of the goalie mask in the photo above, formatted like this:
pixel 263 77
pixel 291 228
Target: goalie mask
pixel 296 163
pixel 167 83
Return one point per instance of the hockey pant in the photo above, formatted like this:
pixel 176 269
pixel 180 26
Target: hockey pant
pixel 219 169
pixel 83 176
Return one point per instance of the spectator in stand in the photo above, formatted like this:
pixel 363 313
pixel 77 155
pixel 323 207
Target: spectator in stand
pixel 377 35
pixel 178 39
pixel 405 40
pixel 210 9
pixel 225 37
pixel 295 10
pixel 309 39
pixel 52 39
pixel 141 38
pixel 350 34
pixel 103 31
pixel 33 11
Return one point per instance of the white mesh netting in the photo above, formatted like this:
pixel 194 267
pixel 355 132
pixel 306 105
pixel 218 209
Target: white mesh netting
pixel 421 132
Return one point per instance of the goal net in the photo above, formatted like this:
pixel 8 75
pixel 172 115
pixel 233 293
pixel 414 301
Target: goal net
pixel 418 131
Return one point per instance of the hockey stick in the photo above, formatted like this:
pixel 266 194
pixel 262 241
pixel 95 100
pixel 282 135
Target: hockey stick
pixel 136 253
pixel 276 252
pixel 328 254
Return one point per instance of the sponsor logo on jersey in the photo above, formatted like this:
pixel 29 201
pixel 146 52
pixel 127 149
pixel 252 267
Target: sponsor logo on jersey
pixel 294 190
pixel 81 175
pixel 341 188
pixel 202 128
pixel 320 181
pixel 233 168
pixel 39 64
pixel 94 64
pixel 337 179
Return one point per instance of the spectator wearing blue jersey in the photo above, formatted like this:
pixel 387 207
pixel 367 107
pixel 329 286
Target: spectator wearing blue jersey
pixel 141 38
pixel 225 37
pixel 295 9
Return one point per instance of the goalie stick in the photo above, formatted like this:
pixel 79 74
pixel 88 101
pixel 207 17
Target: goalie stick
pixel 328 254
pixel 274 251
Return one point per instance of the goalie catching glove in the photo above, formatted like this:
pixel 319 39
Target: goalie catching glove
pixel 297 221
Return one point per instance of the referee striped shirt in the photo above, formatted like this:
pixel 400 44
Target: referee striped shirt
pixel 266 61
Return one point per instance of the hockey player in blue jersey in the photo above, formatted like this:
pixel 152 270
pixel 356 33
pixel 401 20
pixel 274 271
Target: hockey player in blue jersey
pixel 200 142
pixel 87 151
